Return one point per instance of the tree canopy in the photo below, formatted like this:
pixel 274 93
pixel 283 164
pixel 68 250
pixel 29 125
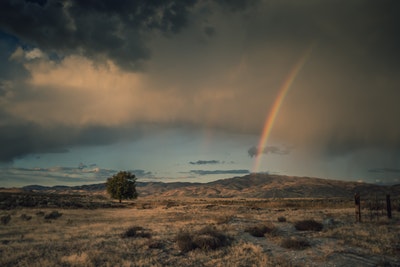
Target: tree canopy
pixel 122 186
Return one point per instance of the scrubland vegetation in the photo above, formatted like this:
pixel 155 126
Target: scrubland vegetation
pixel 198 232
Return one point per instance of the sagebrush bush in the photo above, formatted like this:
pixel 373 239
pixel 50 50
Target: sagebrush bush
pixel 5 219
pixel 207 242
pixel 155 245
pixel 40 213
pixel 136 231
pixel 308 225
pixel 259 230
pixel 208 230
pixel 295 243
pixel 53 215
pixel 25 217
pixel 281 219
pixel 207 238
pixel 185 242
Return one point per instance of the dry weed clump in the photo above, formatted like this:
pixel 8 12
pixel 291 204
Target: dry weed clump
pixel 281 219
pixel 40 213
pixel 308 225
pixel 5 219
pixel 155 244
pixel 207 242
pixel 245 254
pixel 223 219
pixel 207 238
pixel 53 215
pixel 184 241
pixel 259 230
pixel 136 231
pixel 25 217
pixel 75 259
pixel 295 243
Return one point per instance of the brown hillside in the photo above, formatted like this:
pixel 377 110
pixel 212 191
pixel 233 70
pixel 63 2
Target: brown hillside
pixel 268 186
pixel 249 186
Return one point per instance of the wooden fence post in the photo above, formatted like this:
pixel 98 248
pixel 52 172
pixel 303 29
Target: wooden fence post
pixel 358 206
pixel 388 206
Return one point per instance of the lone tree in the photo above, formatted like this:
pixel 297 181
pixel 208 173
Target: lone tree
pixel 122 186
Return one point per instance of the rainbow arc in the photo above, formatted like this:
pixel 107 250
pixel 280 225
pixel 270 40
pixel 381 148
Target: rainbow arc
pixel 276 106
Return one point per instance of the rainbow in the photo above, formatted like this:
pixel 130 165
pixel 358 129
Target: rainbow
pixel 270 120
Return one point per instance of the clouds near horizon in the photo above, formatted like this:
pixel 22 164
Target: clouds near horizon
pixel 204 162
pixel 210 172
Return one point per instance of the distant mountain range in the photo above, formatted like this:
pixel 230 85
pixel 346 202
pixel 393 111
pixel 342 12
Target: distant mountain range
pixel 249 186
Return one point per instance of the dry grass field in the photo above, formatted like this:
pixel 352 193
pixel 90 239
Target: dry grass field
pixel 199 232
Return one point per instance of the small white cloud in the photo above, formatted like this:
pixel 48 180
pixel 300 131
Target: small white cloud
pixel 18 54
pixel 34 54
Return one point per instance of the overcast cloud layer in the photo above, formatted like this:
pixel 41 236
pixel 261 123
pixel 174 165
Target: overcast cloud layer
pixel 76 73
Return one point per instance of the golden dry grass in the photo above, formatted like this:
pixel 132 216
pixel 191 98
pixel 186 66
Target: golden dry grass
pixel 82 237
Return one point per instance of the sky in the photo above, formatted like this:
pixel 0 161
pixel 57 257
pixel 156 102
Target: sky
pixel 196 91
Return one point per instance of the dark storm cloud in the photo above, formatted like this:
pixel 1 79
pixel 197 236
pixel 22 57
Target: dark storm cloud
pixel 253 151
pixel 204 162
pixel 100 30
pixel 211 172
pixel 97 29
pixel 19 138
pixel 345 98
pixel 117 30
pixel 237 5
pixel 355 27
pixel 9 69
pixel 210 31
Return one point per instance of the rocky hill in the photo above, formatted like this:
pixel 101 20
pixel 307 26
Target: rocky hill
pixel 249 186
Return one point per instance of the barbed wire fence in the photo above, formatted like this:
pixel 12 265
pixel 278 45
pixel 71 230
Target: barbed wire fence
pixel 375 207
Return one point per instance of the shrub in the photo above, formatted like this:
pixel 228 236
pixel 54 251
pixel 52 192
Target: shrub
pixel 308 225
pixel 53 215
pixel 5 219
pixel 281 219
pixel 295 243
pixel 208 230
pixel 258 230
pixel 40 213
pixel 207 238
pixel 136 231
pixel 185 242
pixel 207 242
pixel 171 204
pixel 156 245
pixel 25 217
